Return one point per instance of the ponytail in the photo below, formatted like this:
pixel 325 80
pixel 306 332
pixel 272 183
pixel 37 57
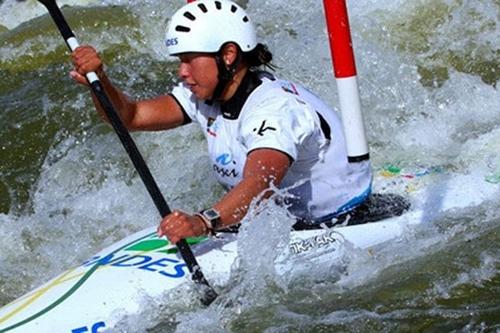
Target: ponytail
pixel 259 56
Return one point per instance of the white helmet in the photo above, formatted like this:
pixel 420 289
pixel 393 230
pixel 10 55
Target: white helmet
pixel 205 25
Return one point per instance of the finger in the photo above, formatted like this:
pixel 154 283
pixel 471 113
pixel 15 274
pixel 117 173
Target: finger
pixel 85 67
pixel 88 58
pixel 166 225
pixel 162 231
pixel 173 239
pixel 86 61
pixel 83 49
pixel 77 77
pixel 79 54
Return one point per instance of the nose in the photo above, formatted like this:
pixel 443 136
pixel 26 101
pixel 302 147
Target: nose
pixel 183 71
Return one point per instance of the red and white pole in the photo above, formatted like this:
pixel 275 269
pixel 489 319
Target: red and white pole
pixel 345 74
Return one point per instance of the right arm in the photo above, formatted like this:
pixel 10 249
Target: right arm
pixel 159 113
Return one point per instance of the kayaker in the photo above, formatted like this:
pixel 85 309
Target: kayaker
pixel 262 132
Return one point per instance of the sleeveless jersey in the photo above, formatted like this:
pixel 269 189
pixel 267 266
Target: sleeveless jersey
pixel 284 116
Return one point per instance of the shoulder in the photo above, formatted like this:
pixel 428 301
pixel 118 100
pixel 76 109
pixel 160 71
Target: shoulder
pixel 268 97
pixel 277 99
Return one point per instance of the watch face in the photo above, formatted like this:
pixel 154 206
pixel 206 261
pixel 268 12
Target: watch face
pixel 211 214
pixel 213 217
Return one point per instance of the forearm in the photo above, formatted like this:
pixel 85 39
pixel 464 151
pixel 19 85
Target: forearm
pixel 235 204
pixel 263 168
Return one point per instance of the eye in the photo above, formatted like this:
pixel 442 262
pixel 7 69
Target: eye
pixel 184 59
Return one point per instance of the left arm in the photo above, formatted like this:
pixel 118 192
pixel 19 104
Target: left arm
pixel 262 168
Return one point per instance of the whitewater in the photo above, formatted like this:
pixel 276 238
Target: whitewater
pixel 428 72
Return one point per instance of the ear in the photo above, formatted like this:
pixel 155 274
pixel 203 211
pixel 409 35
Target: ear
pixel 229 54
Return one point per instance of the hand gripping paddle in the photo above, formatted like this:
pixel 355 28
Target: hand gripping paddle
pixel 134 154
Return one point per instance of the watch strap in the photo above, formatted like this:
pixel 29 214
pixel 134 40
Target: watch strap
pixel 208 225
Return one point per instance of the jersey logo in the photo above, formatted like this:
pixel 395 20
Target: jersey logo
pixel 289 88
pixel 224 159
pixel 211 127
pixel 224 171
pixel 263 128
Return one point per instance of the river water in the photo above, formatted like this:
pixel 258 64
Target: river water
pixel 428 73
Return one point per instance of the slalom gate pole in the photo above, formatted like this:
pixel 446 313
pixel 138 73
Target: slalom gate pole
pixel 345 75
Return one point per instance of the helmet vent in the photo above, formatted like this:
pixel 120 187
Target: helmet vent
pixel 245 19
pixel 202 7
pixel 218 5
pixel 234 8
pixel 189 16
pixel 182 28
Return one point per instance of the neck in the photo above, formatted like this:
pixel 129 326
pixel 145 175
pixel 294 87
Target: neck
pixel 232 86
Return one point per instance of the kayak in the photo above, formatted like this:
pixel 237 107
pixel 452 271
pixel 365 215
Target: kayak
pixel 109 286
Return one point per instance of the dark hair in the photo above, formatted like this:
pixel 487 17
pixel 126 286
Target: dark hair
pixel 259 56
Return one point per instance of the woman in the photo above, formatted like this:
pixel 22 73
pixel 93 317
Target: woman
pixel 262 132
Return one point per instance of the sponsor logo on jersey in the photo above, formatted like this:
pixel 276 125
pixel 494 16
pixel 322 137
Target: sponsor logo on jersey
pixel 260 131
pixel 289 87
pixel 212 127
pixel 224 159
pixel 222 166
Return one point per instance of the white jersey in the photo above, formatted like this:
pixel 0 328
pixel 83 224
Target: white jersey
pixel 270 113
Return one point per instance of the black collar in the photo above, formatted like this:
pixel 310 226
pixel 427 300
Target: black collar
pixel 231 108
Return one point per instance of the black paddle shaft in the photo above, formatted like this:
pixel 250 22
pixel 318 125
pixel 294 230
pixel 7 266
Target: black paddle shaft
pixel 134 154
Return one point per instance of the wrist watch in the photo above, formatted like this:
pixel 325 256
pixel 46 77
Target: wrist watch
pixel 212 217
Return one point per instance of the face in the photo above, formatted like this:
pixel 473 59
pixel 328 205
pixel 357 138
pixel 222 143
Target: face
pixel 199 72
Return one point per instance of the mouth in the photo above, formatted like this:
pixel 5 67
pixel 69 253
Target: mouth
pixel 192 86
